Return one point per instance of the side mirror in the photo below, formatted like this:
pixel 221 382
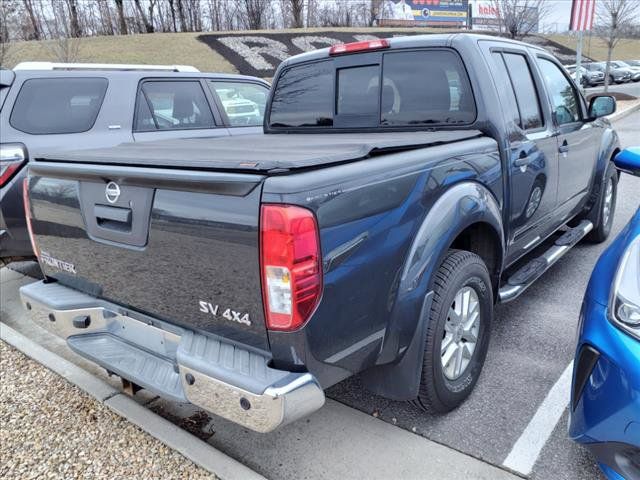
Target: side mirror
pixel 601 106
pixel 628 161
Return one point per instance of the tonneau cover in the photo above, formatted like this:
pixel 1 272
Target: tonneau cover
pixel 258 152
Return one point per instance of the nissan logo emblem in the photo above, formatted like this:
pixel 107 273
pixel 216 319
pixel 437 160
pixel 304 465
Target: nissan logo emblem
pixel 112 192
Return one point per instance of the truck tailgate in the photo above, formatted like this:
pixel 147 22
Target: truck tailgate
pixel 178 245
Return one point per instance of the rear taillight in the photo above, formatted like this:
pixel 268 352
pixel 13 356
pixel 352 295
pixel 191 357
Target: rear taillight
pixel 290 260
pixel 12 157
pixel 344 48
pixel 27 214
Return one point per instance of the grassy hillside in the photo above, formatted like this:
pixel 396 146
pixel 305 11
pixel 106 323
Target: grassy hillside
pixel 184 48
pixel 595 48
pixel 157 48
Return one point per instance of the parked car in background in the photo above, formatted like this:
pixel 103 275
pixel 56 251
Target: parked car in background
pixel 616 75
pixel 49 106
pixel 370 230
pixel 635 70
pixel 588 78
pixel 633 63
pixel 605 399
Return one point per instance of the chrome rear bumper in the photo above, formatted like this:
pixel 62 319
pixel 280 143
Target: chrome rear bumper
pixel 225 379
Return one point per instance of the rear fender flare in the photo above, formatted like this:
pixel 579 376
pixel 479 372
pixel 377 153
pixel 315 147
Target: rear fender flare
pixel 397 375
pixel 609 146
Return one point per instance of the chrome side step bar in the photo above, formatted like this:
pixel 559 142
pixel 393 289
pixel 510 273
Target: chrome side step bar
pixel 529 273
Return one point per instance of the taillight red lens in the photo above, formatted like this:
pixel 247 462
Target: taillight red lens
pixel 7 169
pixel 290 260
pixel 12 157
pixel 27 214
pixel 353 47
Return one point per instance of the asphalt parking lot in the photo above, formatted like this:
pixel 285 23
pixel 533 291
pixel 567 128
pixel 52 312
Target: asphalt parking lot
pixel 526 377
pixel 630 88
pixel 531 346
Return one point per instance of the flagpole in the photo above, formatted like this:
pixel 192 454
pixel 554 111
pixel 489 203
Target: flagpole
pixel 579 59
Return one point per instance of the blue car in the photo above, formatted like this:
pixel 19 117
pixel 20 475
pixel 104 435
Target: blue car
pixel 605 399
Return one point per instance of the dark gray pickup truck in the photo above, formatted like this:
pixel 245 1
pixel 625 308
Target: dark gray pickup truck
pixel 395 197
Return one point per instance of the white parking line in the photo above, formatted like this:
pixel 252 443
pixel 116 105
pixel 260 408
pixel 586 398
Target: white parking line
pixel 526 450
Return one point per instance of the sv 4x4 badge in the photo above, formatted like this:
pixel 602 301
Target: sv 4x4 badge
pixel 228 314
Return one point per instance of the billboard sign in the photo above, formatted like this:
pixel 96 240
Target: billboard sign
pixel 485 15
pixel 423 12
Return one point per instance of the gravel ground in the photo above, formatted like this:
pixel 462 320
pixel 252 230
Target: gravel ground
pixel 51 429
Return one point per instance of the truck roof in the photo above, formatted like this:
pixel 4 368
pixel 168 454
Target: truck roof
pixel 414 41
pixel 268 153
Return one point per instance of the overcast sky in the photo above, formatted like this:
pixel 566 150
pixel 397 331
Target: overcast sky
pixel 559 14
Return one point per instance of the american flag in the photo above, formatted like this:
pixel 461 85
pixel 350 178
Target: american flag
pixel 582 13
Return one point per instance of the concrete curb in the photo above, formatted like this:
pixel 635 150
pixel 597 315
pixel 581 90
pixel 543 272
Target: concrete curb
pixel 618 115
pixel 199 452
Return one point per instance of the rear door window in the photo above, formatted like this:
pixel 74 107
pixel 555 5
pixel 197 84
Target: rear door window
pixel 525 90
pixel 172 105
pixel 58 105
pixel 243 103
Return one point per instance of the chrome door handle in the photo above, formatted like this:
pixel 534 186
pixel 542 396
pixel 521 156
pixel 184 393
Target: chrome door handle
pixel 564 148
pixel 522 160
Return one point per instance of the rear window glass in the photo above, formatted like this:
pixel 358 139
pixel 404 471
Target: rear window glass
pixel 244 103
pixel 304 97
pixel 58 105
pixel 164 105
pixel 413 89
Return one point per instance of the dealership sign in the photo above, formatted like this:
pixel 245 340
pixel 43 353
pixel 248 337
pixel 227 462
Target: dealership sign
pixel 423 12
pixel 486 15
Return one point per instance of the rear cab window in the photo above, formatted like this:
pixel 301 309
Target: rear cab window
pixel 412 88
pixel 172 105
pixel 243 103
pixel 46 106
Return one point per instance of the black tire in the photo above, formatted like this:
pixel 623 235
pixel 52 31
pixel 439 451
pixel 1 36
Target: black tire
pixel 460 269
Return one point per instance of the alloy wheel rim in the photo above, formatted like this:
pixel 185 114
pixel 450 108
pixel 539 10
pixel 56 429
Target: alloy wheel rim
pixel 534 201
pixel 608 202
pixel 460 337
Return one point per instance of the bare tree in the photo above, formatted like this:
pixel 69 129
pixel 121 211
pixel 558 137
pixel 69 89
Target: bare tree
pixel 297 8
pixel 183 20
pixel 65 47
pixel 147 21
pixel 105 17
pixel 28 6
pixel 614 20
pixel 518 18
pixel 122 22
pixel 8 10
pixel 254 11
pixel 75 30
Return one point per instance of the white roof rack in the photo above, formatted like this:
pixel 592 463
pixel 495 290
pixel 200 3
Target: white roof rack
pixel 102 66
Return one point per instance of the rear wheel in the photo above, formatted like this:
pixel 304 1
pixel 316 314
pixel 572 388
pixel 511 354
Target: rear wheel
pixel 458 332
pixel 604 207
